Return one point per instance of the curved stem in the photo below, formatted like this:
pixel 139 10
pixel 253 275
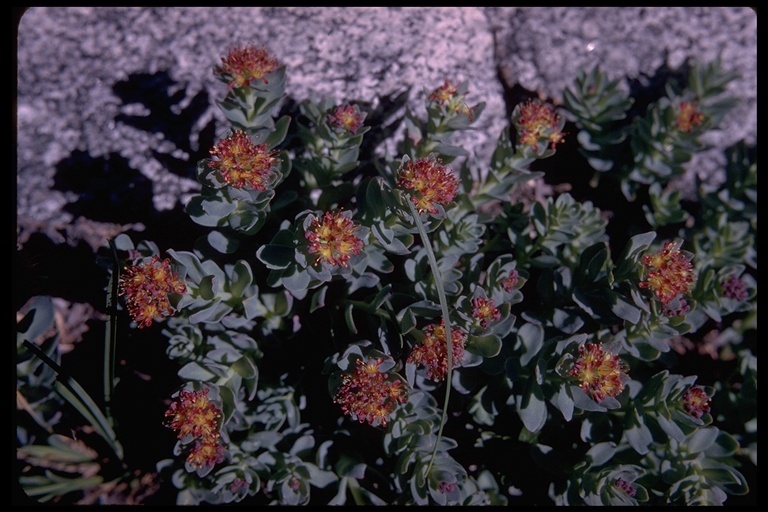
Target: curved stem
pixel 110 338
pixel 446 320
pixel 367 308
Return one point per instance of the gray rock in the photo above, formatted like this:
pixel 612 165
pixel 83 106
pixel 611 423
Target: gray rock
pixel 69 58
pixel 542 48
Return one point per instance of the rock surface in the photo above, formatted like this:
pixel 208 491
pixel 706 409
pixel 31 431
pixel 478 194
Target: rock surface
pixel 81 71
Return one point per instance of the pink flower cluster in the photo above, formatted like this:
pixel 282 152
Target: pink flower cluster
pixel 369 394
pixel 601 374
pixel 429 182
pixel 146 286
pixel 447 95
pixel 734 288
pixel 669 273
pixel 332 239
pixel 696 402
pixel 347 117
pixel 246 64
pixel 538 122
pixel 485 311
pixel 243 163
pixel 688 117
pixel 432 353
pixel 194 417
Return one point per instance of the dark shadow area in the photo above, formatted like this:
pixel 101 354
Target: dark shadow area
pixel 646 89
pixel 44 267
pixel 162 96
pixel 108 189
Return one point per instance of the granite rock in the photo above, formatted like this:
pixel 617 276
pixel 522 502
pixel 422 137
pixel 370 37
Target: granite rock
pixel 72 62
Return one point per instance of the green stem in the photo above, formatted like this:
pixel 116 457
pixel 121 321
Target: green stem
pixel 110 338
pixel 359 304
pixel 446 321
pixel 250 100
pixel 354 489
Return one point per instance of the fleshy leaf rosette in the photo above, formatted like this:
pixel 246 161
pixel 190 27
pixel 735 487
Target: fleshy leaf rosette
pixel 316 248
pixel 366 385
pixel 238 184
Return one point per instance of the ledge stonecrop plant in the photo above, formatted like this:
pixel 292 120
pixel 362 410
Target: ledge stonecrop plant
pixel 362 326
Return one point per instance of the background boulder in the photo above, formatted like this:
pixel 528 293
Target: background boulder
pixel 118 103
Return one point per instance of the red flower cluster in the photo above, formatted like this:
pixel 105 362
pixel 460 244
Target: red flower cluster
pixel 206 453
pixel 446 487
pixel 539 122
pixel 625 486
pixel 601 374
pixel 347 117
pixel 332 238
pixel 511 281
pixel 430 183
pixel 676 308
pixel 443 93
pixel 370 395
pixel 688 117
pixel 237 484
pixel 670 274
pixel 146 286
pixel 447 96
pixel 485 311
pixel 696 402
pixel 246 64
pixel 734 288
pixel 433 352
pixel 243 163
pixel 193 416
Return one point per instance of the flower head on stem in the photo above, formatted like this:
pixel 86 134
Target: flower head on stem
pixel 625 486
pixel 484 311
pixel 146 286
pixel 669 273
pixel 696 402
pixel 538 122
pixel 734 288
pixel 245 64
pixel 369 394
pixel 243 163
pixel 447 487
pixel 193 414
pixel 237 484
pixel 447 96
pixel 443 93
pixel 688 117
pixel 332 239
pixel 347 117
pixel 429 183
pixel 433 352
pixel 206 453
pixel 510 281
pixel 600 373
pixel 679 307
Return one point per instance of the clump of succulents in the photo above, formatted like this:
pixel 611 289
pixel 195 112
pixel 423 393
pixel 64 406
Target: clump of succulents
pixel 443 323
